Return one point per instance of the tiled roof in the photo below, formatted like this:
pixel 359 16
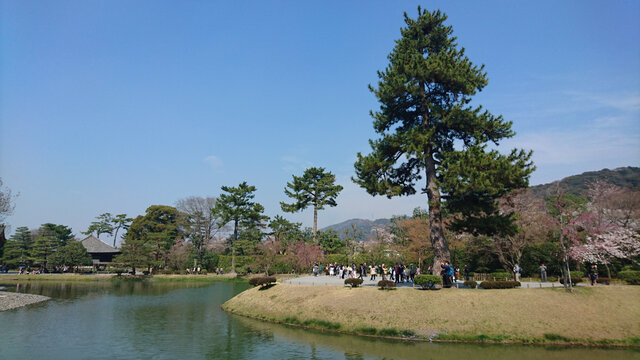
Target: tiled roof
pixel 95 245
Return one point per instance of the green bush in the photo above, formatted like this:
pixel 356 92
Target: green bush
pixel 632 277
pixel 263 281
pixel 503 284
pixel 427 281
pixel 389 332
pixel 367 330
pixel 335 258
pixel 386 284
pixel 500 275
pixel 470 283
pixel 576 277
pixel 117 271
pixel 353 282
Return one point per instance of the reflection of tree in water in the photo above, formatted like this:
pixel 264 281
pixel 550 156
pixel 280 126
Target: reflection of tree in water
pixel 66 290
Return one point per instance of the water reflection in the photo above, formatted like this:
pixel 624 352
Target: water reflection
pixel 182 320
pixel 357 347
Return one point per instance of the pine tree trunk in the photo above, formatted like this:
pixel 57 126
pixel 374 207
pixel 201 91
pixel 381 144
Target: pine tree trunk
pixel 115 237
pixel 315 222
pixel 438 241
pixel 233 247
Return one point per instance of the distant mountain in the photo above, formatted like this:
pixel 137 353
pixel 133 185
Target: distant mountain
pixel 366 226
pixel 624 177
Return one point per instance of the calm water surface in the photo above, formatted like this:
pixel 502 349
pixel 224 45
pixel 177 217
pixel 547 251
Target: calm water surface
pixel 183 320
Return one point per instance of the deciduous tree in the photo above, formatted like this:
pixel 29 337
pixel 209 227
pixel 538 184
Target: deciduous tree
pixel 200 223
pixel 429 131
pixel 317 188
pixel 532 226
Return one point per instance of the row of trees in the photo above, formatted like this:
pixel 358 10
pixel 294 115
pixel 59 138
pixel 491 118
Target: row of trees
pixel 50 247
pixel 197 221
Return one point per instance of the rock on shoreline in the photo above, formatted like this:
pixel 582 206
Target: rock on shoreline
pixel 9 300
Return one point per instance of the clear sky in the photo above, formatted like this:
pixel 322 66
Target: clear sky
pixel 113 106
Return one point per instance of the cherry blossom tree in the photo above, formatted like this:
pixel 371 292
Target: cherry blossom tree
pixel 608 228
pixel 304 254
pixel 532 223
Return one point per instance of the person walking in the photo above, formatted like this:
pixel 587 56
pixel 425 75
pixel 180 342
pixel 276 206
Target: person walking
pixel 543 273
pixel 593 275
pixel 466 272
pixel 516 271
pixel 412 272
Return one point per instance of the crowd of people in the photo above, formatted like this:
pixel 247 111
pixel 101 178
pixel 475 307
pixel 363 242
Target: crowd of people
pixel 397 272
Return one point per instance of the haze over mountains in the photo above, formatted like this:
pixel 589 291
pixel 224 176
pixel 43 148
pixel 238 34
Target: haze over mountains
pixel 624 177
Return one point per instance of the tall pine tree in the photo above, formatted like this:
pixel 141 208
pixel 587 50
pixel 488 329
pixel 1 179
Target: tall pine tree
pixel 236 205
pixel 430 131
pixel 315 188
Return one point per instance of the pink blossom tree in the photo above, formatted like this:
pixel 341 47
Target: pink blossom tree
pixel 304 254
pixel 608 228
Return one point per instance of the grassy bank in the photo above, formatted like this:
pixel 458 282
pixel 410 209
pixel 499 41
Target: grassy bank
pixel 590 316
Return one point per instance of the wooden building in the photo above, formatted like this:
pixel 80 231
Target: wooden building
pixel 101 253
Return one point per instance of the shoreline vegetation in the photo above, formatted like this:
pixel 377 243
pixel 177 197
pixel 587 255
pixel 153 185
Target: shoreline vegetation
pixel 602 316
pixel 12 278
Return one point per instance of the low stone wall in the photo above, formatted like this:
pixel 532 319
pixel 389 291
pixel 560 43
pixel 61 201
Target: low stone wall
pixel 10 300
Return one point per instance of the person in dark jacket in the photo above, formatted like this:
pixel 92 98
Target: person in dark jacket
pixel 446 278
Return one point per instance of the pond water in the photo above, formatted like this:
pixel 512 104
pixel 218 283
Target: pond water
pixel 183 320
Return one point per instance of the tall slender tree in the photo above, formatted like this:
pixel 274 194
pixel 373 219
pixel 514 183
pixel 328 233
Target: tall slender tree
pixel 430 131
pixel 236 205
pixel 120 221
pixel 317 188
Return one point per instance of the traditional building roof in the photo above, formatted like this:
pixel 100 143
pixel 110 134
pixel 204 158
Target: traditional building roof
pixel 95 245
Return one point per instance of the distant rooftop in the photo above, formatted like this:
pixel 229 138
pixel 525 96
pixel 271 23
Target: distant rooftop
pixel 95 245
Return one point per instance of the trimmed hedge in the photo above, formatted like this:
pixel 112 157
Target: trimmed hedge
pixel 427 281
pixel 470 283
pixel 353 282
pixel 604 280
pixel 632 277
pixel 386 284
pixel 262 281
pixel 504 284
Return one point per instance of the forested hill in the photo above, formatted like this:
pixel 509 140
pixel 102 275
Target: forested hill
pixel 366 226
pixel 624 177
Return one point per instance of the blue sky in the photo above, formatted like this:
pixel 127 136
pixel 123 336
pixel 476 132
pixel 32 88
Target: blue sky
pixel 113 106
